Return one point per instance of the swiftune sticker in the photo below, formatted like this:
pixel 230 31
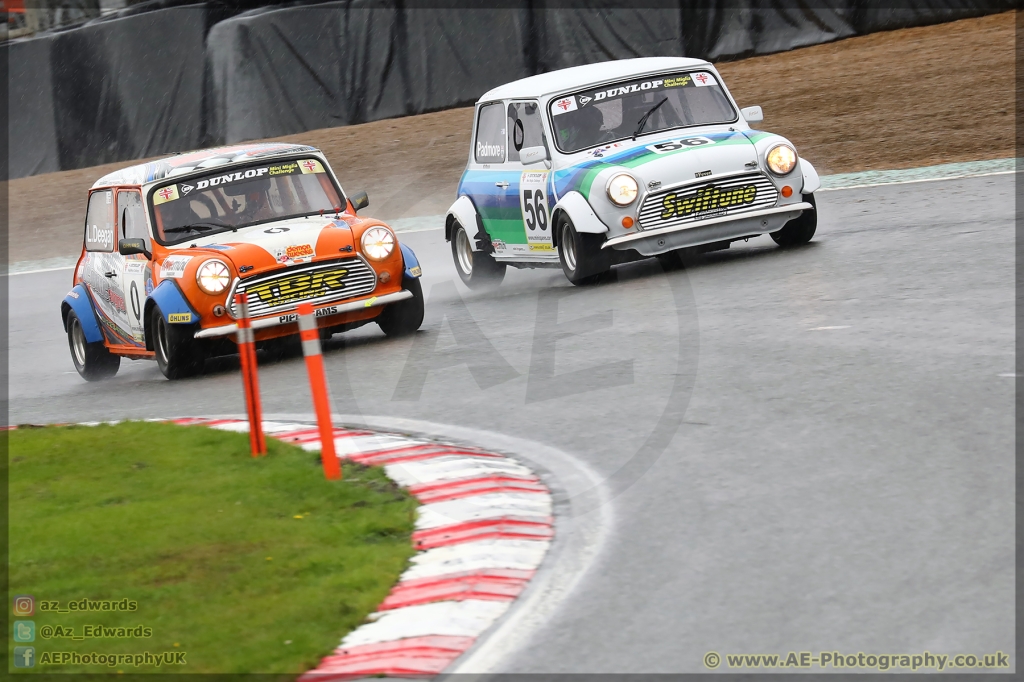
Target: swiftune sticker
pixel 706 200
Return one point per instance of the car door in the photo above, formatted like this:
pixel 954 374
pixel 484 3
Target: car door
pixel 526 129
pixel 102 269
pixel 492 183
pixel 136 269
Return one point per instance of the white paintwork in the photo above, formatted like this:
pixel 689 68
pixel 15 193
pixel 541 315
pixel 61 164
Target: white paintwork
pixel 464 211
pixel 201 160
pixel 360 445
pixel 535 506
pixel 452 468
pixel 812 183
pixel 532 155
pixel 235 427
pixel 563 80
pixel 454 618
pixel 598 215
pixel 481 555
pixel 752 114
pixel 582 214
pixel 785 211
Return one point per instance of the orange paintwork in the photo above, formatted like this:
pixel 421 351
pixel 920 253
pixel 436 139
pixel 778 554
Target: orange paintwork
pixel 329 246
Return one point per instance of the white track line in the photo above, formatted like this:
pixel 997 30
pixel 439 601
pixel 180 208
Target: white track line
pixel 911 182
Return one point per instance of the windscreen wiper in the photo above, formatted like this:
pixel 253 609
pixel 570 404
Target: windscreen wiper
pixel 196 227
pixel 642 122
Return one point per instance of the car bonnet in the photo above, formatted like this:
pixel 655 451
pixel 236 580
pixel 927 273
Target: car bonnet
pixel 734 148
pixel 285 241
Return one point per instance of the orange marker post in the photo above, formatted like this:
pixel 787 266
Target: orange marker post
pixel 310 336
pixel 250 378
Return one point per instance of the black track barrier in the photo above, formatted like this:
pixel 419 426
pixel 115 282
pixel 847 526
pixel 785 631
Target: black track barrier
pixel 160 77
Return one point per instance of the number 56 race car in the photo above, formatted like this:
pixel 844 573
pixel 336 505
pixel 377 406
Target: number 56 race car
pixel 605 163
pixel 169 244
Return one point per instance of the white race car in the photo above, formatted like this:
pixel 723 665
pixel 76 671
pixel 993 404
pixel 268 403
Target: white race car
pixel 605 163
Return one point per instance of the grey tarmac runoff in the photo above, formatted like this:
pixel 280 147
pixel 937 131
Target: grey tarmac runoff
pixel 806 450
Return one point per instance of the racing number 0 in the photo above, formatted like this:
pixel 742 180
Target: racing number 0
pixel 535 209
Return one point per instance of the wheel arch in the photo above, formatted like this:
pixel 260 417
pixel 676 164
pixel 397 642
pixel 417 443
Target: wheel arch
pixel 464 211
pixel 576 208
pixel 410 262
pixel 78 300
pixel 812 183
pixel 168 298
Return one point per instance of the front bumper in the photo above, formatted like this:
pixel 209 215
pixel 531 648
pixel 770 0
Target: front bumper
pixel 660 240
pixel 291 318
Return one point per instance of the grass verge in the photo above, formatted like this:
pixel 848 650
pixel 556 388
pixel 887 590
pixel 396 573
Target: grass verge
pixel 246 565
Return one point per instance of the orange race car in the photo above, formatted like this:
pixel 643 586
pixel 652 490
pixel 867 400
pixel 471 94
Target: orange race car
pixel 169 244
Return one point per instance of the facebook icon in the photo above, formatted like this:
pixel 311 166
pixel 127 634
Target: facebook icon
pixel 24 657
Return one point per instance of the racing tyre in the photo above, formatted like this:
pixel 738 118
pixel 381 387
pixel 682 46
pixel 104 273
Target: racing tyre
pixel 477 270
pixel 92 360
pixel 799 230
pixel 178 354
pixel 404 317
pixel 583 259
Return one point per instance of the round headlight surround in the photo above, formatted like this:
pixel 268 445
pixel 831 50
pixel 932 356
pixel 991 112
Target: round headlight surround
pixel 213 276
pixel 772 160
pixel 617 189
pixel 378 243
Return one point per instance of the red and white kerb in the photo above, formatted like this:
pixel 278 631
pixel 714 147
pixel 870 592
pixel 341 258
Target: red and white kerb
pixel 483 528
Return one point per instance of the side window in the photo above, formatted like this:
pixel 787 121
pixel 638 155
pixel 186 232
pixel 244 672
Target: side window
pixel 131 217
pixel 490 134
pixel 99 222
pixel 525 128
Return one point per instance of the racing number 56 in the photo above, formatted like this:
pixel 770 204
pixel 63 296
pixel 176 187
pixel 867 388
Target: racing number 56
pixel 535 209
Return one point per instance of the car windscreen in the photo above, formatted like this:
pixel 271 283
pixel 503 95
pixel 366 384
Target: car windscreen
pixel 599 115
pixel 228 199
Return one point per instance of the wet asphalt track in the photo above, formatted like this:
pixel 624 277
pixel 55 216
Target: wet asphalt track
pixel 809 449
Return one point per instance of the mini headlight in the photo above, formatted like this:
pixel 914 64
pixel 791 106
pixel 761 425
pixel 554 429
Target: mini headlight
pixel 378 243
pixel 622 189
pixel 781 159
pixel 213 276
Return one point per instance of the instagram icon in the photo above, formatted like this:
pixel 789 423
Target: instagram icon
pixel 24 605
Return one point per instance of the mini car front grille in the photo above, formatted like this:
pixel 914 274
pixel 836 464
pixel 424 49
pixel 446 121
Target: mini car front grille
pixel 283 290
pixel 698 201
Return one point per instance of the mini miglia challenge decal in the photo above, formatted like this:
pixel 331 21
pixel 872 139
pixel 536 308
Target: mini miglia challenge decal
pixel 534 203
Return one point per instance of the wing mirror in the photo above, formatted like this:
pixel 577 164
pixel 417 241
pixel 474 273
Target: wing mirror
pixel 533 155
pixel 359 200
pixel 752 114
pixel 129 247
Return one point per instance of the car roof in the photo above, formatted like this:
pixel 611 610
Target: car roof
pixel 217 157
pixel 563 80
